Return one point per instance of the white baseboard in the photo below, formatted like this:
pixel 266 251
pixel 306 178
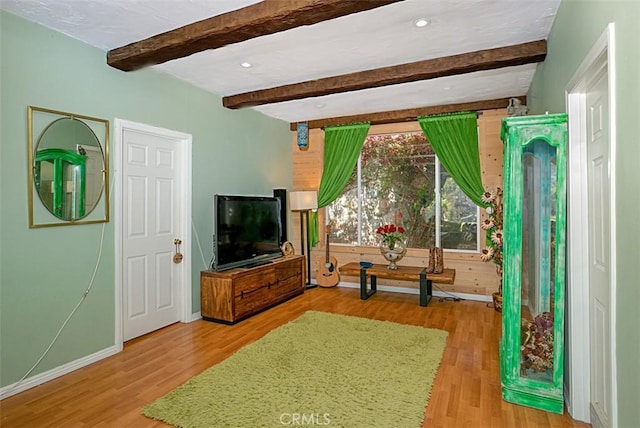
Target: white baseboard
pixel 436 293
pixel 195 316
pixel 41 378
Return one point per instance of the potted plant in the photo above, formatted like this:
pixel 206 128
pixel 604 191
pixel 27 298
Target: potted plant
pixel 494 238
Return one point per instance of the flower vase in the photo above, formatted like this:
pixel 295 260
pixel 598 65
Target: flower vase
pixel 393 252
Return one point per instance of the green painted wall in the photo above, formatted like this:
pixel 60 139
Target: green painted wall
pixel 576 28
pixel 44 272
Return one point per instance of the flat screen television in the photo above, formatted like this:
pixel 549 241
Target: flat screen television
pixel 247 231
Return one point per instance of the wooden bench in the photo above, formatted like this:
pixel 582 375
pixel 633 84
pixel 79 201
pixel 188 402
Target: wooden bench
pixel 403 273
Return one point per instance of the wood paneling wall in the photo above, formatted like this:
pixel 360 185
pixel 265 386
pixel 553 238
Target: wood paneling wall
pixel 473 276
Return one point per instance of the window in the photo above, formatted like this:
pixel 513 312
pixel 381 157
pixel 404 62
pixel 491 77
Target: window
pixel 399 180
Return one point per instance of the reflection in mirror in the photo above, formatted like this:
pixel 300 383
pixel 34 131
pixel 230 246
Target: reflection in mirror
pixel 69 166
pixel 61 165
pixel 538 249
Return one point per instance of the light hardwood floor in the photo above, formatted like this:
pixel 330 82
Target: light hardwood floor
pixel 111 393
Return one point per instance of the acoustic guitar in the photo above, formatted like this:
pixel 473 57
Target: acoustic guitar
pixel 328 275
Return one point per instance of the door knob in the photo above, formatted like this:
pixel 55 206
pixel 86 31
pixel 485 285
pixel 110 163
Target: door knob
pixel 177 257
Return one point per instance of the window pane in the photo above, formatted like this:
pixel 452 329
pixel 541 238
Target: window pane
pixel 459 226
pixel 343 214
pixel 397 181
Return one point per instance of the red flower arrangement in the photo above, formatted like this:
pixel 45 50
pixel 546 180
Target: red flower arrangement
pixel 391 234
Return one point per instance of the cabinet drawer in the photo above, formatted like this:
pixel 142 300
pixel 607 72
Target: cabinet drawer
pixel 288 284
pixel 248 283
pixel 252 301
pixel 291 269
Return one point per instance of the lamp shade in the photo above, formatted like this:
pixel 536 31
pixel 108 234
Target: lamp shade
pixel 302 129
pixel 303 200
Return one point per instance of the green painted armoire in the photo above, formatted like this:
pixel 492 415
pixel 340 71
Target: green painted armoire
pixel 532 344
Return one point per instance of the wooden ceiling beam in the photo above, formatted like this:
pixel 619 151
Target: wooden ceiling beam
pixel 409 115
pixel 488 59
pixel 260 19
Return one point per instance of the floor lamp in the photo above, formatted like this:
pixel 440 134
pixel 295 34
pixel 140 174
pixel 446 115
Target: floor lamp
pixel 303 202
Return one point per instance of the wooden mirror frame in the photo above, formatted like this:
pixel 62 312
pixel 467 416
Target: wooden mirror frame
pixel 38 121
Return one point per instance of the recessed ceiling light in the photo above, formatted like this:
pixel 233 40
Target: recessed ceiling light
pixel 422 23
pixel 246 65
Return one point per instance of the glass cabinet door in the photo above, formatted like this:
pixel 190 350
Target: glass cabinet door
pixel 538 241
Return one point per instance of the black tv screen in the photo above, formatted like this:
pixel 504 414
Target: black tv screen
pixel 247 230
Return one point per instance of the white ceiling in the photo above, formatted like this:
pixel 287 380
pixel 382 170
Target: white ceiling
pixel 377 38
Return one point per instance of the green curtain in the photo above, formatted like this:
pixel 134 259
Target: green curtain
pixel 342 146
pixel 454 138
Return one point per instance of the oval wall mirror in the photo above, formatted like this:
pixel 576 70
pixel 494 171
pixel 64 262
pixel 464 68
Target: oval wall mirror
pixel 68 168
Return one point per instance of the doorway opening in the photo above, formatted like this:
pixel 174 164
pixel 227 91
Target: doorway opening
pixel 591 104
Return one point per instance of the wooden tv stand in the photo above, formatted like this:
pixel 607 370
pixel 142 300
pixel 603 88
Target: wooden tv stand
pixel 235 294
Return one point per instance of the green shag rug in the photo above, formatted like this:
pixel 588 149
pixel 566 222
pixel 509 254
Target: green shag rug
pixel 319 369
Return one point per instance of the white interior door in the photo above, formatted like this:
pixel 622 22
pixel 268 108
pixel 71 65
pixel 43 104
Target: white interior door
pixel 153 204
pixel 598 189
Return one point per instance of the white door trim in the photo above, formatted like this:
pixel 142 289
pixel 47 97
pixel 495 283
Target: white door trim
pixel 185 227
pixel 601 56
